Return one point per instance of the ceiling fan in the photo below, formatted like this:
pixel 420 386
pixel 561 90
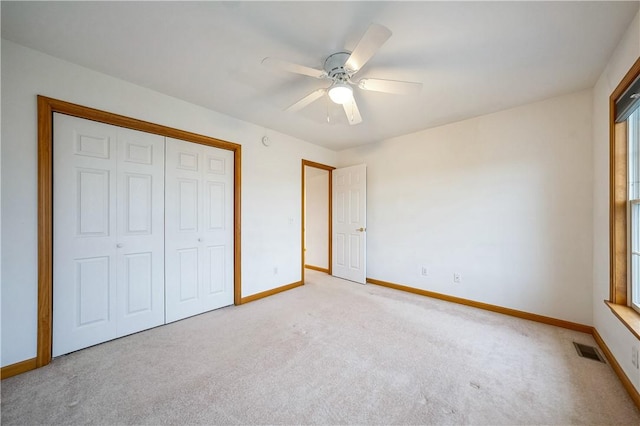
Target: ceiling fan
pixel 340 69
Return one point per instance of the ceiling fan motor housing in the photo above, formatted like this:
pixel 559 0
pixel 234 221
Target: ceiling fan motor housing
pixel 334 66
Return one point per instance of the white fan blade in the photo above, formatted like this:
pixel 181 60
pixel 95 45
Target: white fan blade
pixel 279 64
pixel 353 114
pixel 311 97
pixel 390 86
pixel 373 38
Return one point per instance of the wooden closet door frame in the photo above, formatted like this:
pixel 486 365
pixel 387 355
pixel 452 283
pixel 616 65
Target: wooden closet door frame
pixel 329 169
pixel 46 108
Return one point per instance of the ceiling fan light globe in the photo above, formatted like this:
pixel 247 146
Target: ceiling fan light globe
pixel 341 93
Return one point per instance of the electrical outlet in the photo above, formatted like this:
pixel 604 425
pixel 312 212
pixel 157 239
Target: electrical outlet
pixel 457 277
pixel 634 356
pixel 275 270
pixel 424 271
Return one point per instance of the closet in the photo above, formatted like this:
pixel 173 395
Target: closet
pixel 199 220
pixel 142 233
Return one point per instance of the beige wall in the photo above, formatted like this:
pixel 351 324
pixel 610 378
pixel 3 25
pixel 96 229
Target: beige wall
pixel 503 199
pixel 619 340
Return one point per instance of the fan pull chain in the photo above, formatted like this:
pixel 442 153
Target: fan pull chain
pixel 328 116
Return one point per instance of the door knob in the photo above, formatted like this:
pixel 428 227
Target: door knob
pixel 361 229
pixel 119 245
pixel 199 240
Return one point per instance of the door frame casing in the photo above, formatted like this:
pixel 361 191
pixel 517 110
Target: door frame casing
pixel 46 108
pixel 303 211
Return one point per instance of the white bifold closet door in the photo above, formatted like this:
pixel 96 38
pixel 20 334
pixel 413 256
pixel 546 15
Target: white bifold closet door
pixel 108 244
pixel 198 229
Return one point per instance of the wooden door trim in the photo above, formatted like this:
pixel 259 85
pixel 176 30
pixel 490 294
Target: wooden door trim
pixel 46 108
pixel 330 169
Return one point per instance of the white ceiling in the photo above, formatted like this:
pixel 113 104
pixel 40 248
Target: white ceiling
pixel 472 57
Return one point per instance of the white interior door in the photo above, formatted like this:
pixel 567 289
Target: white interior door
pixel 140 231
pixel 350 223
pixel 108 243
pixel 198 229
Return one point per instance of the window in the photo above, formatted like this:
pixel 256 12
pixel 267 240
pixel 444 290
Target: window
pixel 633 137
pixel 625 199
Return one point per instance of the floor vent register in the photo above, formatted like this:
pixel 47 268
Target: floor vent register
pixel 587 351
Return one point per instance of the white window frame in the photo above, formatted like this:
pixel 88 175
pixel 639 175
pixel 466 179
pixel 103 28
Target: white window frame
pixel 633 209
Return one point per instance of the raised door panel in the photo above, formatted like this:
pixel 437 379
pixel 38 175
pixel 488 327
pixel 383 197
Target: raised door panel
pixel 354 207
pixel 138 283
pixel 188 275
pixel 215 274
pixel 187 214
pixel 216 206
pixel 93 202
pixel 340 220
pixel 92 289
pixel 354 252
pixel 138 208
pixel 340 205
pixel 84 242
pixel 355 221
pixel 340 249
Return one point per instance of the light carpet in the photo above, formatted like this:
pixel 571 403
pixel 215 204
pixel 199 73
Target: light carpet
pixel 330 352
